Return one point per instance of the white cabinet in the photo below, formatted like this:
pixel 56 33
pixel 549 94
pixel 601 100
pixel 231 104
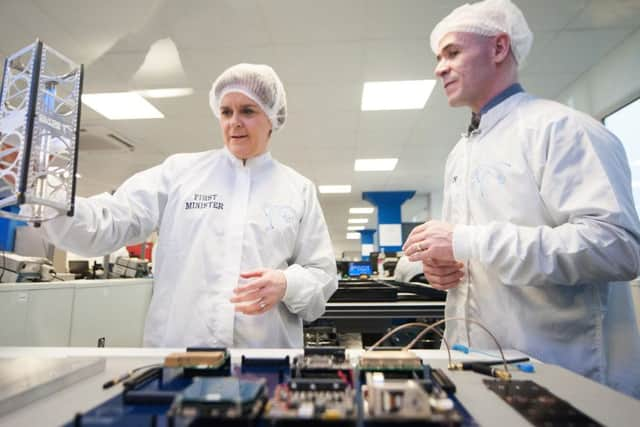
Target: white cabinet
pixel 75 313
pixel 115 311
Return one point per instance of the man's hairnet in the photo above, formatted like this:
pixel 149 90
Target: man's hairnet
pixel 258 82
pixel 488 18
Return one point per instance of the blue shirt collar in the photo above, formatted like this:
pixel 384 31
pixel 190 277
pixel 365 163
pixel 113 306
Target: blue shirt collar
pixel 511 90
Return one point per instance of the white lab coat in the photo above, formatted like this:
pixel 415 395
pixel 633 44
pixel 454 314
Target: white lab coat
pixel 216 218
pixel 545 193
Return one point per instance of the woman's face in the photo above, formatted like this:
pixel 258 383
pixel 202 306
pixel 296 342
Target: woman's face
pixel 245 127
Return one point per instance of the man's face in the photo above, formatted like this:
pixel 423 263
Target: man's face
pixel 466 68
pixel 245 127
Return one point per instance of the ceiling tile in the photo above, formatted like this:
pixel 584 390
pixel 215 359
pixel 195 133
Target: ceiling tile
pixel 577 50
pixel 319 63
pixel 550 15
pixel 403 19
pixel 408 59
pixel 608 14
pixel 298 21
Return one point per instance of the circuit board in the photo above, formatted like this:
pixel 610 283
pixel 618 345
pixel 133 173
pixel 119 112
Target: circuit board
pixel 320 388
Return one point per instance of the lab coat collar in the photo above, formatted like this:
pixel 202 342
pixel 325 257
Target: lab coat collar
pixel 498 112
pixel 254 163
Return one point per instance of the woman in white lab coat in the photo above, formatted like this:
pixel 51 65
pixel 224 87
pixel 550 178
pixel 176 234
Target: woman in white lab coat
pixel 244 254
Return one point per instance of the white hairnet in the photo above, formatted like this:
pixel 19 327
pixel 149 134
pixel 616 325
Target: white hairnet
pixel 258 82
pixel 488 18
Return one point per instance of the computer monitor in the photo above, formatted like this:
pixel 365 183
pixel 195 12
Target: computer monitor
pixel 79 267
pixel 359 268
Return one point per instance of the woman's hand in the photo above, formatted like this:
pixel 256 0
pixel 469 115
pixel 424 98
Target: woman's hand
pixel 263 293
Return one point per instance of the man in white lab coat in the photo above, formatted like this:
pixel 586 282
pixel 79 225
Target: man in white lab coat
pixel 243 255
pixel 539 230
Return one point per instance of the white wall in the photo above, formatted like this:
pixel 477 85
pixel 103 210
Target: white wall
pixel 423 207
pixel 416 209
pixel 610 84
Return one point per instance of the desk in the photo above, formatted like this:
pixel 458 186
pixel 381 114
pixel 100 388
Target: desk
pixel 601 403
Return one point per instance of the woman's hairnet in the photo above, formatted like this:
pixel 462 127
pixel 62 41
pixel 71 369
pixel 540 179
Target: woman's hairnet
pixel 258 82
pixel 488 18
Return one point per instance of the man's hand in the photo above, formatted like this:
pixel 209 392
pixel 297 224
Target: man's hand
pixel 442 275
pixel 263 293
pixel 433 239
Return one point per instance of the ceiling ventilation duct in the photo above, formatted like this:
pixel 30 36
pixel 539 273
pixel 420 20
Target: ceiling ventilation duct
pixel 99 138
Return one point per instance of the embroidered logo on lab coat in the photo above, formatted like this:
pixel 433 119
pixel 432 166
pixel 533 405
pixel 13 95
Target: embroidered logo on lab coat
pixel 488 178
pixel 279 216
pixel 204 201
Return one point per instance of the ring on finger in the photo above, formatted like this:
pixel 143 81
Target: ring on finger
pixel 262 304
pixel 419 247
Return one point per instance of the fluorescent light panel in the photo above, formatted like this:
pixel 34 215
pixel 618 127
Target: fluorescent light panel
pixel 121 106
pixel 355 227
pixel 175 92
pixel 353 236
pixel 358 220
pixel 396 95
pixel 375 164
pixel 334 189
pixel 364 211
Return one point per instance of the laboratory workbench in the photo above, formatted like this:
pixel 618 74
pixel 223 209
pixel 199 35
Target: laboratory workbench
pixel 599 402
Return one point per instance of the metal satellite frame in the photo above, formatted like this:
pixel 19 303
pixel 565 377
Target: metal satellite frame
pixel 39 124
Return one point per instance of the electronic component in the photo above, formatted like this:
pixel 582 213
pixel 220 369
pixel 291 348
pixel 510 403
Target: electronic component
pixel 394 400
pixel 538 405
pixel 490 371
pixel 211 359
pixel 329 362
pixel 18 268
pixel 390 360
pixel 310 402
pixel 220 398
pixel 320 336
pixel 443 381
pixel 130 267
pixel 219 368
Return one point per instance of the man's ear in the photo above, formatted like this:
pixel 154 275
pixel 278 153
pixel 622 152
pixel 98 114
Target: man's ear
pixel 501 48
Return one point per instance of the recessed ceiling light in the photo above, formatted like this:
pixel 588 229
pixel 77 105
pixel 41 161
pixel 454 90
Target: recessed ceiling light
pixel 175 92
pixel 121 106
pixel 364 211
pixel 396 95
pixel 358 220
pixel 353 236
pixel 355 227
pixel 375 164
pixel 334 189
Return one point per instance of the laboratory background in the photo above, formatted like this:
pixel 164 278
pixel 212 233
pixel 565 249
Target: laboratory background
pixel 368 123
